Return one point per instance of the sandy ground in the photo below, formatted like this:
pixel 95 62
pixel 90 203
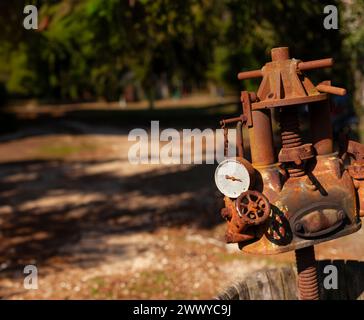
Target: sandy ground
pixel 98 227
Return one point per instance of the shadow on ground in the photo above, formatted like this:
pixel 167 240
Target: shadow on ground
pixel 50 204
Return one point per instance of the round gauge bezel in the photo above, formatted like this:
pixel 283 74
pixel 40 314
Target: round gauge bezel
pixel 247 176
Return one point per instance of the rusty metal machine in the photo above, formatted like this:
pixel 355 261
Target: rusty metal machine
pixel 294 193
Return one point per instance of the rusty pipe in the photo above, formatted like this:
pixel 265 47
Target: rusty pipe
pixel 331 89
pixel 232 120
pixel 303 66
pixel 239 139
pixel 316 64
pixel 250 74
pixel 261 138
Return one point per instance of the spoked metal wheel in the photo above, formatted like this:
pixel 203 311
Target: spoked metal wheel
pixel 253 207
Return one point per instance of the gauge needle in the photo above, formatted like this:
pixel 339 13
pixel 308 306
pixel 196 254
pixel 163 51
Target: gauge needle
pixel 232 178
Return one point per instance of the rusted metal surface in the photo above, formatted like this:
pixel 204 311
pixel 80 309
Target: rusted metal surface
pixel 296 154
pixel 250 74
pixel 224 122
pixel 246 100
pixel 239 139
pixel 320 127
pixel 284 83
pixel 307 274
pixel 359 185
pixel 331 89
pixel 293 151
pixel 280 53
pixel 318 222
pixel 239 134
pixel 251 209
pixel 290 128
pixel 309 175
pixel 324 185
pixel 261 135
pixel 316 64
pixel 237 226
pixel 301 65
pixel 309 192
pixel 355 151
pixel 226 140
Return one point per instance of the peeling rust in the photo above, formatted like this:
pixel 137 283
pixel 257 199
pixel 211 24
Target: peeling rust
pixel 311 195
pixel 308 174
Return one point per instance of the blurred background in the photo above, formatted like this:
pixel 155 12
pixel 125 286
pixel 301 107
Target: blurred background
pixel 71 90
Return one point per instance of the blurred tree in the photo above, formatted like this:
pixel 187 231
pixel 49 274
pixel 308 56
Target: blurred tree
pixel 87 46
pixel 353 32
pixel 10 37
pixel 86 49
pixel 256 27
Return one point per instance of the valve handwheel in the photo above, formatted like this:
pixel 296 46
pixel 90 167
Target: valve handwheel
pixel 253 207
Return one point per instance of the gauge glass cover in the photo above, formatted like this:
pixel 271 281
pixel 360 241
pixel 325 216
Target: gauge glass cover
pixel 232 178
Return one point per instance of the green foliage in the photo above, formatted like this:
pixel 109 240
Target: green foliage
pixel 88 48
pixel 257 26
pixel 352 15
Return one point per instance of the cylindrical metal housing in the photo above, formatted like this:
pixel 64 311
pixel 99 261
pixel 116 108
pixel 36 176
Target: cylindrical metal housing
pixel 280 53
pixel 261 138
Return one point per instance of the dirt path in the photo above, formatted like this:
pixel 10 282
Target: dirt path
pixel 99 227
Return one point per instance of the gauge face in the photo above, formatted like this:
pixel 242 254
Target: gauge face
pixel 232 178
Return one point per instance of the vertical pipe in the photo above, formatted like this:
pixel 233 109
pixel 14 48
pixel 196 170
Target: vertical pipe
pixel 280 53
pixel 239 140
pixel 261 138
pixel 321 128
pixel 307 274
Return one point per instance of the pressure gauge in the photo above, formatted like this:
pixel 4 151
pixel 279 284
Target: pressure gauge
pixel 233 176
